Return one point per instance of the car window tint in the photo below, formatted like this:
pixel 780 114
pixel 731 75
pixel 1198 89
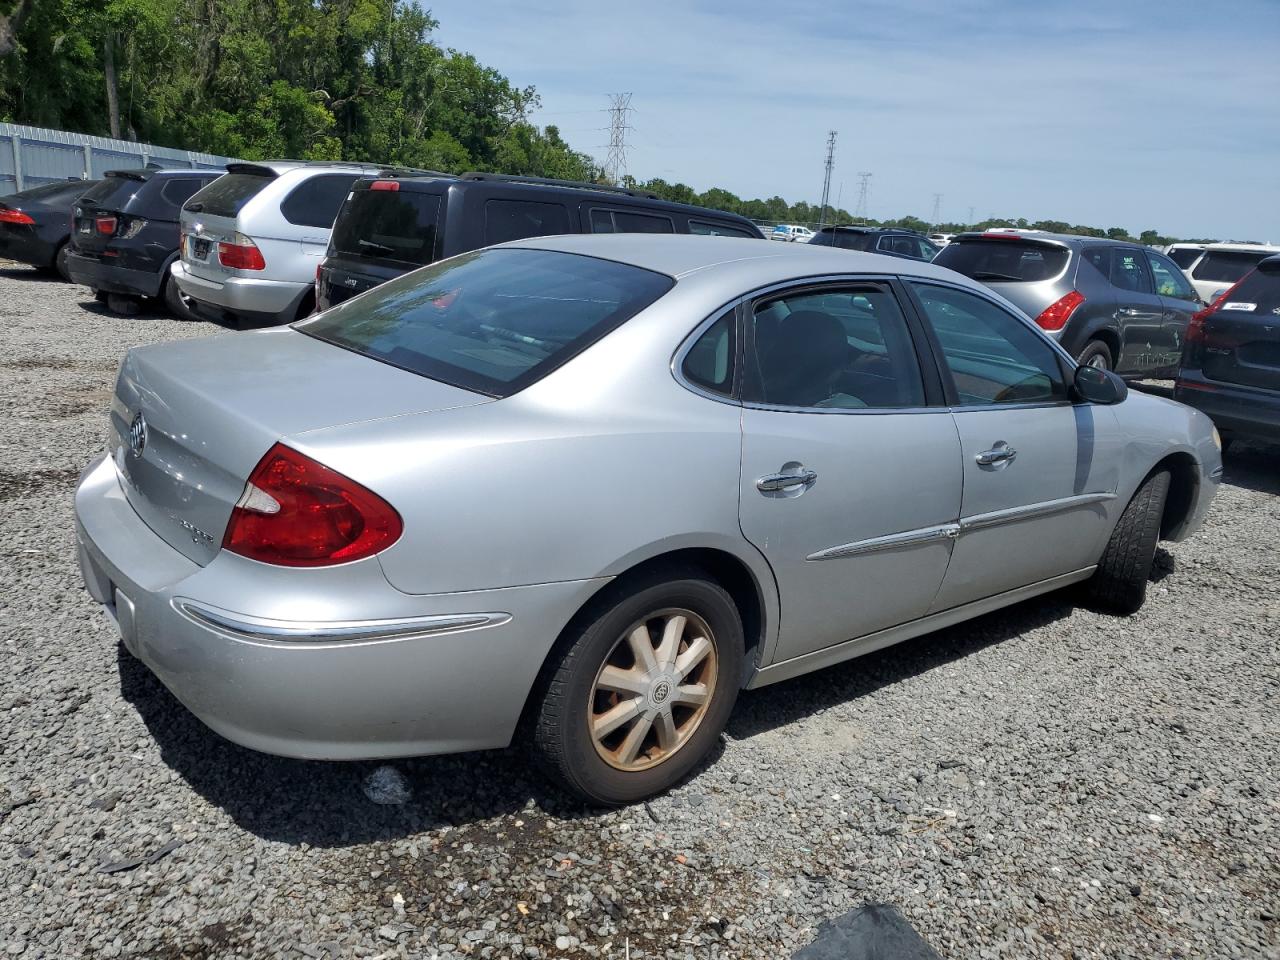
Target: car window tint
pixel 227 196
pixel 625 221
pixel 112 193
pixel 1129 271
pixel 997 260
pixel 516 219
pixel 1169 280
pixel 1185 256
pixel 601 221
pixel 493 321
pixel 1099 258
pixel 710 361
pixel 395 225
pixel 993 356
pixel 846 347
pixel 315 203
pixel 1227 266
pixel 707 228
pixel 176 192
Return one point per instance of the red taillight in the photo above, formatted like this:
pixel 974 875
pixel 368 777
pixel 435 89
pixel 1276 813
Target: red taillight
pixel 243 254
pixel 105 225
pixel 385 185
pixel 1057 314
pixel 15 216
pixel 295 512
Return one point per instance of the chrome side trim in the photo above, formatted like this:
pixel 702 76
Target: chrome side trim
pixel 908 538
pixel 263 628
pixel 1014 514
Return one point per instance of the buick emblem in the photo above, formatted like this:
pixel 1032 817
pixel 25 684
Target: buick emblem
pixel 661 692
pixel 138 434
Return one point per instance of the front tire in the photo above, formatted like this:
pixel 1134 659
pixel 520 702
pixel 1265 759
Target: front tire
pixel 1119 585
pixel 1097 354
pixel 644 685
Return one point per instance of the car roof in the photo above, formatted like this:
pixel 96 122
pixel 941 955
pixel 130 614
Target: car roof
pixel 1244 247
pixel 1039 236
pixel 680 255
pixel 863 228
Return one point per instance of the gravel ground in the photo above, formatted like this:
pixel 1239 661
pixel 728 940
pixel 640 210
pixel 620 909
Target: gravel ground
pixel 1041 782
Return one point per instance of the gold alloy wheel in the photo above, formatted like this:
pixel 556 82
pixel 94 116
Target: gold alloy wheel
pixel 653 689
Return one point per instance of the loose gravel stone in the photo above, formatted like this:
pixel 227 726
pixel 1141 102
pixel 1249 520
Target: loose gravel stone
pixel 1006 784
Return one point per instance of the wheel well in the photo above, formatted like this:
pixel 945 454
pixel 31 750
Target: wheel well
pixel 1111 339
pixel 307 305
pixel 1184 484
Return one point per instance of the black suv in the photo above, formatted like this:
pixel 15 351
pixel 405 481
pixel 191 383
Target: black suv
pixel 393 224
pixel 124 235
pixel 890 241
pixel 1111 304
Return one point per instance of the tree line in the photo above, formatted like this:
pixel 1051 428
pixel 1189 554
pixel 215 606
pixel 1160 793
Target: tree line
pixel 316 80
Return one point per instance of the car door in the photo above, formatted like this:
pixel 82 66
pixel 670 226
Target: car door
pixel 1180 301
pixel 1039 470
pixel 1139 313
pixel 850 482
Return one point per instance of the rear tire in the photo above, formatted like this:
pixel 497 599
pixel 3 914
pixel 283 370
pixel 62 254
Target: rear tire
pixel 1119 585
pixel 174 302
pixel 123 305
pixel 1097 354
pixel 598 672
pixel 60 262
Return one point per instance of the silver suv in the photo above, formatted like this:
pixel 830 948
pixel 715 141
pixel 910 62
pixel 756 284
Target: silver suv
pixel 251 241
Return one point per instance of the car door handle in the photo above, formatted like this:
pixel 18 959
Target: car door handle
pixel 785 481
pixel 1128 312
pixel 1000 453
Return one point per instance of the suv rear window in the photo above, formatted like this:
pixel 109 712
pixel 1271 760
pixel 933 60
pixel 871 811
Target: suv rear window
pixel 112 192
pixel 1258 292
pixel 388 225
pixel 492 321
pixel 1228 266
pixel 1003 261
pixel 844 239
pixel 226 196
pixel 1184 256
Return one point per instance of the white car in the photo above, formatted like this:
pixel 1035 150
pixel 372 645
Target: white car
pixel 1184 254
pixel 791 232
pixel 1221 265
pixel 941 239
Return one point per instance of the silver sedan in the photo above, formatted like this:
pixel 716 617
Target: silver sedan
pixel 601 484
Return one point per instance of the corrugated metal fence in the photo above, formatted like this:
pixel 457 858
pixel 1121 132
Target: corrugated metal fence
pixel 30 156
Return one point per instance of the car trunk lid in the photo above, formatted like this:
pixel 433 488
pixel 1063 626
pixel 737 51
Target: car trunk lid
pixel 190 420
pixel 1239 339
pixel 100 214
pixel 211 217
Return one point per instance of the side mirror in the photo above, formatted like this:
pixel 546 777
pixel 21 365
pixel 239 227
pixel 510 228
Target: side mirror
pixel 1099 386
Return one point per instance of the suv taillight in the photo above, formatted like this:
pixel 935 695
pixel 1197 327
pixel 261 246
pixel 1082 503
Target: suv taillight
pixel 295 512
pixel 105 225
pixel 1056 315
pixel 241 254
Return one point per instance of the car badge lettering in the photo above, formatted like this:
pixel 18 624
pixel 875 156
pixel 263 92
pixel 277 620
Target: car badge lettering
pixel 138 434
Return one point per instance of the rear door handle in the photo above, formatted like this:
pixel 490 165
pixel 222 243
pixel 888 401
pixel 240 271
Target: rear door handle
pixel 785 481
pixel 1000 453
pixel 1128 312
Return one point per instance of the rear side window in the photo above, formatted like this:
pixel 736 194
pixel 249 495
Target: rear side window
pixel 226 196
pixel 1227 266
pixel 112 193
pixel 710 229
pixel 492 321
pixel 176 192
pixel 1003 261
pixel 1129 271
pixel 710 361
pixel 388 225
pixel 315 203
pixel 629 221
pixel 1184 256
pixel 1170 281
pixel 516 219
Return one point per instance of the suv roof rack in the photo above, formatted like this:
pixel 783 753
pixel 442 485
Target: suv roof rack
pixel 413 172
pixel 550 182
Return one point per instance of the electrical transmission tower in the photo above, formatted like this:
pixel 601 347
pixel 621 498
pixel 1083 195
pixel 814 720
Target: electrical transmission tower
pixel 937 209
pixel 615 167
pixel 864 195
pixel 826 180
pixel 971 220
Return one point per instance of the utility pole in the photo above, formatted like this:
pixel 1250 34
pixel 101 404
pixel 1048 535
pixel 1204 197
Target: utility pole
pixel 937 209
pixel 971 220
pixel 826 181
pixel 864 195
pixel 615 166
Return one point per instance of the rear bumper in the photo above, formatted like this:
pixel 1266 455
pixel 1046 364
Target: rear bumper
pixel 1237 410
pixel 324 663
pixel 101 275
pixel 236 299
pixel 30 250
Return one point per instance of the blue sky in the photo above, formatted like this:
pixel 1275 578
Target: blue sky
pixel 1143 115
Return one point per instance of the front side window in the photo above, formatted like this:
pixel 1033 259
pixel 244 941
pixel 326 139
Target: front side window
pixel 315 203
pixel 1129 271
pixel 1170 281
pixel 492 321
pixel 506 220
pixel 845 348
pixel 993 356
pixel 707 228
pixel 710 361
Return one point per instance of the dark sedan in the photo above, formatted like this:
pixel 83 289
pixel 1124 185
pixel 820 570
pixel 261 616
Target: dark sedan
pixel 1231 367
pixel 35 224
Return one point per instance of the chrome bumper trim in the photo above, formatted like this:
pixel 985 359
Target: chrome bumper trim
pixel 298 631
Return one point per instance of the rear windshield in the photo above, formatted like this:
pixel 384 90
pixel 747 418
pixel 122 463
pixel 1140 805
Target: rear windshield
pixel 492 321
pixel 1003 261
pixel 845 239
pixel 1184 256
pixel 1258 293
pixel 388 225
pixel 226 196
pixel 1228 266
pixel 113 193
pixel 53 193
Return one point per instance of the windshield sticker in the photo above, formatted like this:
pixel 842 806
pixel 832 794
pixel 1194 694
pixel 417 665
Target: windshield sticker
pixel 1240 305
